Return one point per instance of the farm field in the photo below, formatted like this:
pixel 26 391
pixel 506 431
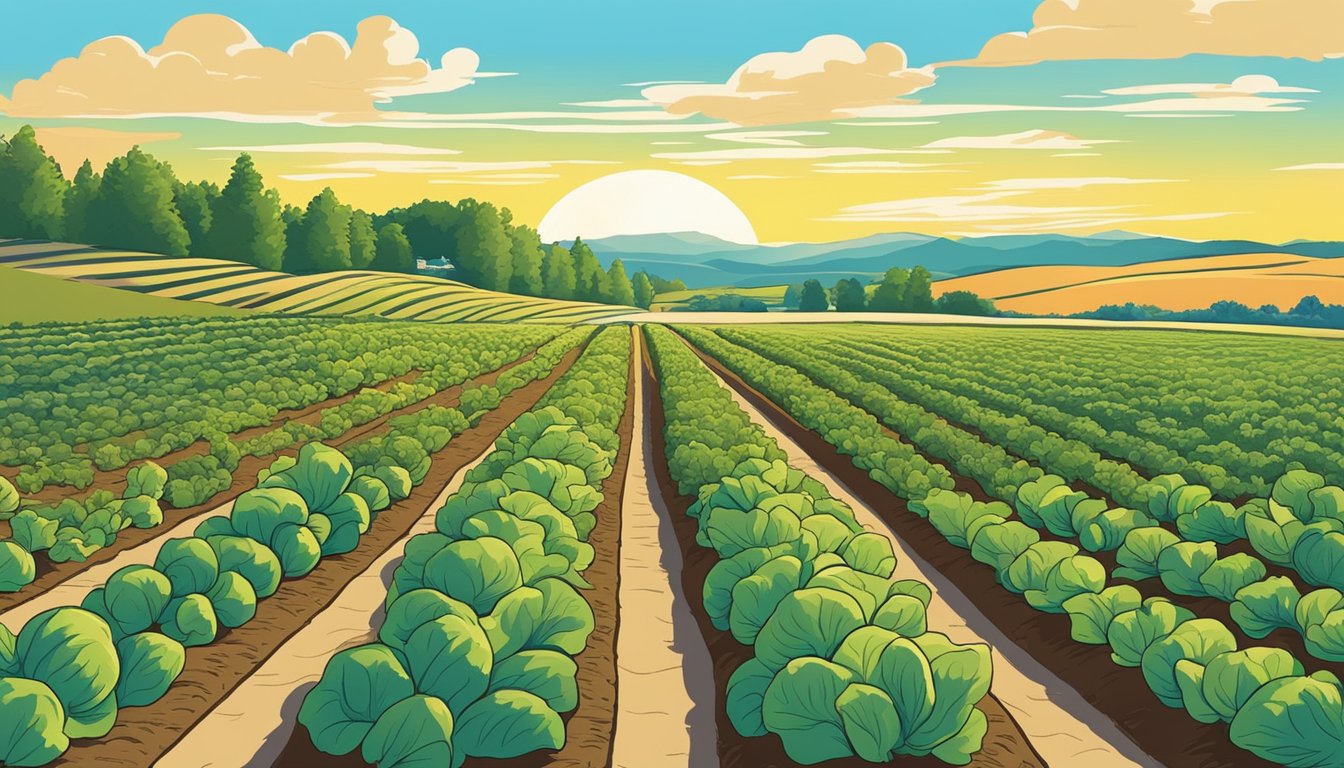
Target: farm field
pixel 361 540
pixel 1252 279
pixel 242 287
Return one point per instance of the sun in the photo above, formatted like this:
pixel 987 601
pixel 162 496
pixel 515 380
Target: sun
pixel 642 203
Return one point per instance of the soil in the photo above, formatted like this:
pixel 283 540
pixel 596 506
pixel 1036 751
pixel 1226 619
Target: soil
pixel 590 727
pixel 50 575
pixel 1118 692
pixel 1203 607
pixel 142 734
pixel 1005 746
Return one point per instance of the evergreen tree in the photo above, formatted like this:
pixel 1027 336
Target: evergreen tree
pixel 392 252
pixel 77 201
pixel 792 294
pixel 327 233
pixel 363 240
pixel 526 250
pixel 590 280
pixel 919 291
pixel 134 207
pixel 193 204
pixel 296 243
pixel 813 298
pixel 643 289
pixel 890 295
pixel 849 296
pixel 245 220
pixel 481 248
pixel 619 289
pixel 558 273
pixel 32 190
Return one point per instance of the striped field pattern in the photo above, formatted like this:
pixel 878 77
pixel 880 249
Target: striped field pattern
pixel 241 286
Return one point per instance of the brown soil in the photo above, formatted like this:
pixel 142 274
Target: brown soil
pixel 144 733
pixel 1203 607
pixel 1005 746
pixel 1118 692
pixel 50 574
pixel 115 479
pixel 589 728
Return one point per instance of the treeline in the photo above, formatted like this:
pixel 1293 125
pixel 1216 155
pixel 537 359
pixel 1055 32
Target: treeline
pixel 1310 312
pixel 899 290
pixel 138 203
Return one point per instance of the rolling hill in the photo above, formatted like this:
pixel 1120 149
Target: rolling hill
pixel 1253 279
pixel 242 287
pixel 702 261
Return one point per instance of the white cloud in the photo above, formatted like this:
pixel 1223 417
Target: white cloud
pixel 829 74
pixel 614 104
pixel 338 148
pixel 882 167
pixel 1314 167
pixel 451 166
pixel 1035 139
pixel 772 138
pixel 773 153
pixel 1069 182
pixel 324 176
pixel 1065 30
pixel 1246 85
pixel 210 65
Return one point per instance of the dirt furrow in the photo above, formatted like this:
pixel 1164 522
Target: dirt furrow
pixel 665 683
pixel 212 672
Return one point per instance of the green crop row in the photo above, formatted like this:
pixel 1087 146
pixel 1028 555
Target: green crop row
pixel 484 615
pixel 1227 411
pixel 71 669
pixel 843 661
pixel 171 384
pixel 1273 708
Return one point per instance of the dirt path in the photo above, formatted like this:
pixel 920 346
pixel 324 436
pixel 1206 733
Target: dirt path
pixel 665 683
pixel 1031 637
pixel 212 672
pixel 252 726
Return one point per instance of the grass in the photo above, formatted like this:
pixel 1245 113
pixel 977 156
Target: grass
pixel 772 295
pixel 30 297
pixel 223 284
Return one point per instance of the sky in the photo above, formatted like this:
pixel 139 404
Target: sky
pixel 1200 119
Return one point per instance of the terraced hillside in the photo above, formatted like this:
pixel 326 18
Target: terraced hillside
pixel 244 287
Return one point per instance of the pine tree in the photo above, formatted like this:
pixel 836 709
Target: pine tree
pixel 363 240
pixel 481 248
pixel 134 208
pixel 327 233
pixel 193 203
pixel 245 220
pixel 558 273
pixel 526 251
pixel 643 289
pixel 77 201
pixel 393 250
pixel 590 281
pixel 32 190
pixel 619 290
pixel 295 259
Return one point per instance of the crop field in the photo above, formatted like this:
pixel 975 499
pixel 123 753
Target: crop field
pixel 243 287
pixel 285 540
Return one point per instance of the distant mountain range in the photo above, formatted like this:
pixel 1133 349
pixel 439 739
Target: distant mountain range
pixel 702 261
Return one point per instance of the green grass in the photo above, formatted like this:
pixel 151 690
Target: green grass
pixel 30 297
pixel 772 295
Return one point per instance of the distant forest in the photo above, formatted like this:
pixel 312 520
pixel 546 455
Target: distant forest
pixel 1310 312
pixel 138 203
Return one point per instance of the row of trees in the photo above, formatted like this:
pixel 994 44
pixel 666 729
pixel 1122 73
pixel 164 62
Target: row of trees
pixel 138 203
pixel 900 290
